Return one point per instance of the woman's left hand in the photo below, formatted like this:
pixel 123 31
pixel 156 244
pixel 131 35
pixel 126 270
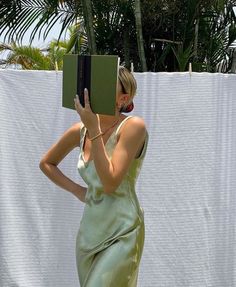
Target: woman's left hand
pixel 90 119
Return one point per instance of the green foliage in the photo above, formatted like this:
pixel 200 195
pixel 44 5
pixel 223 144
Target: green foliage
pixel 77 42
pixel 51 58
pixel 27 57
pixel 19 15
pixel 183 56
pixel 209 26
pixel 175 32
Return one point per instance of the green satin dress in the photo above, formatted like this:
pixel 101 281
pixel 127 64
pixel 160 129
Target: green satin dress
pixel 110 240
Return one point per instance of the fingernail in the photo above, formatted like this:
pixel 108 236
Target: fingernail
pixel 85 89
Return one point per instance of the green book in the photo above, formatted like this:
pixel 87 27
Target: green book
pixel 97 73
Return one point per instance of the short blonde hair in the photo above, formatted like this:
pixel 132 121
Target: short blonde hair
pixel 128 82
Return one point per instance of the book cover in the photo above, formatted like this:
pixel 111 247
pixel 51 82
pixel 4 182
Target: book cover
pixel 97 73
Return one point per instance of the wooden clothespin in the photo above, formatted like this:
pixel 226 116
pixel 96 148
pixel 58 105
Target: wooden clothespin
pixel 132 67
pixel 190 69
pixel 56 66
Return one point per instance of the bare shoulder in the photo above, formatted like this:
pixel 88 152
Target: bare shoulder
pixel 66 143
pixel 130 139
pixel 75 130
pixel 76 126
pixel 134 127
pixel 73 133
pixel 136 123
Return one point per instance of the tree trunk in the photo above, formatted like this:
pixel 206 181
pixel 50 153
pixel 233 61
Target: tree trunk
pixel 126 48
pixel 88 19
pixel 139 33
pixel 195 49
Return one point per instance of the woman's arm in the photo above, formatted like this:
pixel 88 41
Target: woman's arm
pixel 111 171
pixel 131 140
pixel 48 164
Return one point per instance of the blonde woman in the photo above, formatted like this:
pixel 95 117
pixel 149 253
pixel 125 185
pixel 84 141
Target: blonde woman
pixel 110 239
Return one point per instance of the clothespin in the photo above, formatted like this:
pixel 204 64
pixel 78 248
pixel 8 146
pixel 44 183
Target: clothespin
pixel 190 69
pixel 56 66
pixel 132 67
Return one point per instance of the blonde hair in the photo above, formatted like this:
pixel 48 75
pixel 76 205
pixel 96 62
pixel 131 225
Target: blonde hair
pixel 128 82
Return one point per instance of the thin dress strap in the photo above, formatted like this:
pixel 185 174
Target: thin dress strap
pixel 82 132
pixel 117 130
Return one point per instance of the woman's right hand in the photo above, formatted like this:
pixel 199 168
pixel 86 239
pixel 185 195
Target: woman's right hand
pixel 80 192
pixel 89 119
pixel 60 179
pixel 50 161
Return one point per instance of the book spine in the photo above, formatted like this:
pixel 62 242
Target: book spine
pixel 87 75
pixel 80 78
pixel 84 76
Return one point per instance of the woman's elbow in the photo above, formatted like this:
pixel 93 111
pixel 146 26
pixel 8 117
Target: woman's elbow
pixel 41 165
pixel 112 185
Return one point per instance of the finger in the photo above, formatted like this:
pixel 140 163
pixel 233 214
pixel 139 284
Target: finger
pixel 78 105
pixel 86 99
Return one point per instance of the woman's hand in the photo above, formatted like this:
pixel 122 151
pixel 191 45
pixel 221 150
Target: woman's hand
pixel 80 192
pixel 90 119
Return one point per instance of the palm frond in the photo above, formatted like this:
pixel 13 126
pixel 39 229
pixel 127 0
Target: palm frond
pixel 183 56
pixel 77 37
pixel 5 47
pixel 18 16
pixel 28 57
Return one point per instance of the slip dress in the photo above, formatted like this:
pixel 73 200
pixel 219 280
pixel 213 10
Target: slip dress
pixel 110 239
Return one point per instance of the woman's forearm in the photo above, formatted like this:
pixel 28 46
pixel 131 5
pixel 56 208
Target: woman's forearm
pixel 56 176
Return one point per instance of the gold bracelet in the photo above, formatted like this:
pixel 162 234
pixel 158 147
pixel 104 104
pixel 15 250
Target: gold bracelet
pixel 98 135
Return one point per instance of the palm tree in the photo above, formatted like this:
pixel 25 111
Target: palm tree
pixel 88 19
pixel 49 58
pixel 28 58
pixel 18 16
pixel 202 30
pixel 205 29
pixel 139 31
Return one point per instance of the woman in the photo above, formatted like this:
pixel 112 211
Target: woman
pixel 110 239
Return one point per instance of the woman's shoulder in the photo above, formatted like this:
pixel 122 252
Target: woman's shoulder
pixel 76 127
pixel 74 132
pixel 135 122
pixel 133 126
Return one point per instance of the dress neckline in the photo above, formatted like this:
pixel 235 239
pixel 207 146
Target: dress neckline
pixel 86 163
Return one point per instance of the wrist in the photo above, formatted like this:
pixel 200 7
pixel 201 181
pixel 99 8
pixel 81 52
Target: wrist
pixel 93 132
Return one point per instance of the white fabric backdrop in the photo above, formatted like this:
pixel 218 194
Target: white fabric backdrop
pixel 187 187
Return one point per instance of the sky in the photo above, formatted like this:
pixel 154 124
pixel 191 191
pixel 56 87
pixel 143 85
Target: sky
pixel 39 43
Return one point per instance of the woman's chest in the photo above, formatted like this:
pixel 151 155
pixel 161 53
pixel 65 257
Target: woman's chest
pixel 87 148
